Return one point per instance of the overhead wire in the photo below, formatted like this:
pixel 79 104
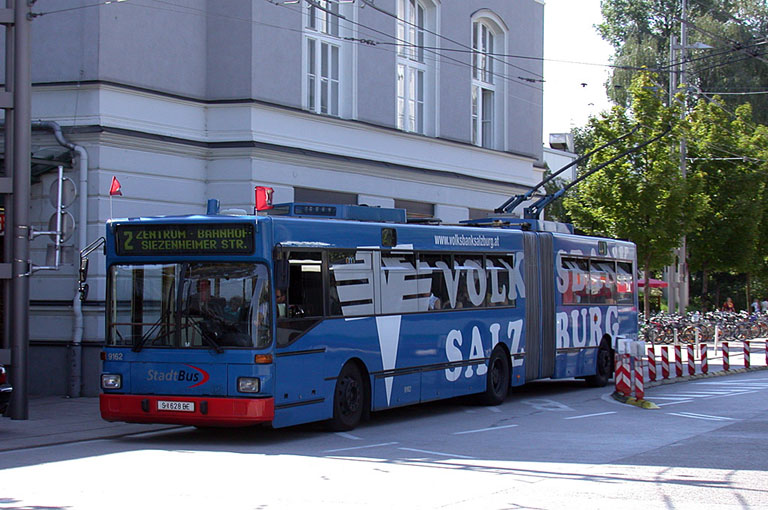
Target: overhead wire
pixel 438 57
pixel 457 43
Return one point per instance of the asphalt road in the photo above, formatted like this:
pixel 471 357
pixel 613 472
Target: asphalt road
pixel 550 445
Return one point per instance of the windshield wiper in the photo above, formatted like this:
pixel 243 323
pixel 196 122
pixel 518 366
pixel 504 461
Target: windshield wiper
pixel 137 346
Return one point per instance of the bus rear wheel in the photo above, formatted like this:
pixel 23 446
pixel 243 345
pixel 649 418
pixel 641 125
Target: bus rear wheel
pixel 348 399
pixel 604 366
pixel 498 377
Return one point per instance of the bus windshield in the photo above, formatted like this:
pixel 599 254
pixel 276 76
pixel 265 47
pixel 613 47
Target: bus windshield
pixel 189 305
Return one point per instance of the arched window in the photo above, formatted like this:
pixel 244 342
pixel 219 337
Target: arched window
pixel 487 81
pixel 327 59
pixel 416 25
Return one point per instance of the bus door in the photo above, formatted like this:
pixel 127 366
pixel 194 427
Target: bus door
pixel 539 305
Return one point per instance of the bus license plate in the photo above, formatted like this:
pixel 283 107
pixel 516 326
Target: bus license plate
pixel 168 405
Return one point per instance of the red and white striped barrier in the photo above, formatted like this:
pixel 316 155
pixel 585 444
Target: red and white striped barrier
pixel 651 363
pixel 747 352
pixel 678 361
pixel 704 361
pixel 638 380
pixel 622 378
pixel 665 362
pixel 726 361
pixel 691 360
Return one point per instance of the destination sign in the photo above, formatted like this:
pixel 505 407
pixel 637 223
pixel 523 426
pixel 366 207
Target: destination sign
pixel 184 239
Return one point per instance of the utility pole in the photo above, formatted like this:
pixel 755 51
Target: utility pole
pixel 20 229
pixel 677 272
pixel 682 253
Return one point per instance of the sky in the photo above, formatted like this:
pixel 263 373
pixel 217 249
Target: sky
pixel 573 90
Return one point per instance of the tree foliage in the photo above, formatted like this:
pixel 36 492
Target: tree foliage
pixel 641 32
pixel 725 151
pixel 642 197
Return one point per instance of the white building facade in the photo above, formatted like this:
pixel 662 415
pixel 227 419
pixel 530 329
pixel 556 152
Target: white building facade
pixel 420 104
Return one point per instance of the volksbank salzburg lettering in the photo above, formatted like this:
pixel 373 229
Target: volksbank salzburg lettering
pixel 455 341
pixel 585 327
pixel 581 327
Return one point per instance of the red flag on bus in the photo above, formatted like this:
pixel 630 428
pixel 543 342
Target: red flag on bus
pixel 115 188
pixel 263 198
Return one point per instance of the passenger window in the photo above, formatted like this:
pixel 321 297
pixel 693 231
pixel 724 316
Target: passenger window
pixel 577 278
pixel 351 279
pixel 602 278
pixel 402 289
pixel 305 292
pixel 625 284
pixel 473 284
pixel 434 266
pixel 499 273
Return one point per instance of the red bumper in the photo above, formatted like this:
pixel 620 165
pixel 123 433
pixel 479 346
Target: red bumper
pixel 222 412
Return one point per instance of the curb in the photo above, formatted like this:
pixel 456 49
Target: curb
pixel 719 373
pixel 76 437
pixel 646 404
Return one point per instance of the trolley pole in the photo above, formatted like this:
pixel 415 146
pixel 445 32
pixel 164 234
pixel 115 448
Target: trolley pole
pixel 20 266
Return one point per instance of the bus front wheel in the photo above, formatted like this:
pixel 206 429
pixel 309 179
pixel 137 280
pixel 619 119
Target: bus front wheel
pixel 348 399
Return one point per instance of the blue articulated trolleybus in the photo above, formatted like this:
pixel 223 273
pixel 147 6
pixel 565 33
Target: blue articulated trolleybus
pixel 328 312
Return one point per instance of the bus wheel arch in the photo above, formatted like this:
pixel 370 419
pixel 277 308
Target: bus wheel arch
pixel 498 377
pixel 604 364
pixel 351 396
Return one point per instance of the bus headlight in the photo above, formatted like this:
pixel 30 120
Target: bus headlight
pixel 111 381
pixel 248 384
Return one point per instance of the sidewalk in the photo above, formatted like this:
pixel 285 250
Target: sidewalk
pixel 57 420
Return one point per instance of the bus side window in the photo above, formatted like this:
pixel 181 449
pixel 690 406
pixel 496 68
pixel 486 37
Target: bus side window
pixel 578 280
pixel 625 285
pixel 498 281
pixel 351 281
pixel 473 283
pixel 305 292
pixel 438 291
pixel 602 275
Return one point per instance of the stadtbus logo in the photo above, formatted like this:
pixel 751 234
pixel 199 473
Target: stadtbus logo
pixel 197 376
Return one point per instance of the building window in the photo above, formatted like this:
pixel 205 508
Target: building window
pixel 322 77
pixel 483 85
pixel 323 16
pixel 415 71
pixel 326 56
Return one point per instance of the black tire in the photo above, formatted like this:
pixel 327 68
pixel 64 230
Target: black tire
pixel 348 399
pixel 603 366
pixel 497 378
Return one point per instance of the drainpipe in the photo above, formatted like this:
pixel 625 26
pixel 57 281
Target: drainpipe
pixel 74 388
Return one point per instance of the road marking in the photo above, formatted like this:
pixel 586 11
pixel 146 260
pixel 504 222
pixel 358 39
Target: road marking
pixel 673 403
pixel 494 409
pixel 359 447
pixel 452 455
pixel 348 436
pixel 544 404
pixel 483 430
pixel 702 416
pixel 690 395
pixel 590 415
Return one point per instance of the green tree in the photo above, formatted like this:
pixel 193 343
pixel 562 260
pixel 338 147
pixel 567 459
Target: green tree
pixel 643 196
pixel 725 152
pixel 641 30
